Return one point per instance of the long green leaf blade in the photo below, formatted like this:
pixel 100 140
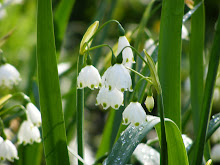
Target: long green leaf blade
pixel 132 136
pixel 169 57
pixel 54 136
pixel 196 62
pixel 207 97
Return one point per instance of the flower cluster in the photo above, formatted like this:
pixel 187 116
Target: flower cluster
pixel 29 132
pixel 115 80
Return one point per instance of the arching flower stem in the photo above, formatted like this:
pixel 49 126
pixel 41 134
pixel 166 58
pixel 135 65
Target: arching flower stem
pixel 106 23
pixel 100 46
pixel 148 79
pixel 11 108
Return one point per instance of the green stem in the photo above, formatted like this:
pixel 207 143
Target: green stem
pixel 2 132
pixel 99 46
pixel 148 79
pixel 207 97
pixel 80 113
pixel 101 27
pixel 163 151
pixel 11 108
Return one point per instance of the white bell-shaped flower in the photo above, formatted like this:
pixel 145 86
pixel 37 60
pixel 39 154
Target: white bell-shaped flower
pixel 103 81
pixel 89 77
pixel 7 150
pixel 107 98
pixel 134 114
pixel 118 77
pixel 127 53
pixel 9 76
pixel 28 133
pixel 34 114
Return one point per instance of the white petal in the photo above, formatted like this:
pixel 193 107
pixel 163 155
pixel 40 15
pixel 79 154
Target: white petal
pixel 127 53
pixel 134 113
pixel 88 77
pixel 34 114
pixel 8 151
pixel 113 98
pixel 28 133
pixel 119 77
pixel 9 76
pixel 116 98
pixel 103 81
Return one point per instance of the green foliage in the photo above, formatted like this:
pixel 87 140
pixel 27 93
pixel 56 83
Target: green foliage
pixel 132 136
pixel 54 136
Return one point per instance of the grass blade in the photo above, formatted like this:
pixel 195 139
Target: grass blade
pixel 207 97
pixel 169 57
pixel 132 136
pixel 54 136
pixel 196 63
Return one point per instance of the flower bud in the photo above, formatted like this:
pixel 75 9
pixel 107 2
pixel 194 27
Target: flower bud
pixel 89 33
pixel 149 102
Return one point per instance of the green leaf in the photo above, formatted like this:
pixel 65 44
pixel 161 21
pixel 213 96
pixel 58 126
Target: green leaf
pixel 132 136
pixel 214 124
pixel 54 136
pixel 196 63
pixel 169 56
pixel 207 97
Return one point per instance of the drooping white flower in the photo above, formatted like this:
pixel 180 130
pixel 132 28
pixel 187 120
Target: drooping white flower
pixel 103 81
pixel 134 114
pixel 28 133
pixel 118 77
pixel 149 102
pixel 127 53
pixel 9 76
pixel 7 150
pixel 34 114
pixel 107 98
pixel 88 77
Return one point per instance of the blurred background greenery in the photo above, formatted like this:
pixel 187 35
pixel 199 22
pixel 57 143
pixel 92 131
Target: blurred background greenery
pixel 18 27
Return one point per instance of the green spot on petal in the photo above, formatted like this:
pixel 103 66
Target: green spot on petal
pixel 122 89
pixel 127 60
pixel 109 87
pixel 136 124
pixel 81 85
pixel 92 86
pixel 116 106
pixel 126 120
pixel 104 105
pixel 100 84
